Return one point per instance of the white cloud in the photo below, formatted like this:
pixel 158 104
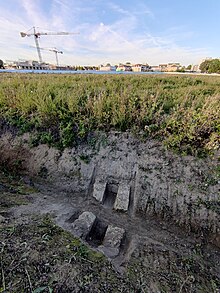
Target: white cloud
pixel 119 9
pixel 138 9
pixel 34 14
pixel 99 40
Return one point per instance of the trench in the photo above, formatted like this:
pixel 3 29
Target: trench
pixel 129 185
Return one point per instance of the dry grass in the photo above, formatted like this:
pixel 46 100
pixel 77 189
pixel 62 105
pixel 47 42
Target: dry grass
pixel 184 111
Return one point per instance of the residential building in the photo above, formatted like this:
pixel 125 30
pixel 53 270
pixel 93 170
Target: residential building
pixel 195 68
pixel 155 68
pixel 170 67
pixel 124 67
pixel 163 67
pixel 140 67
pixel 107 67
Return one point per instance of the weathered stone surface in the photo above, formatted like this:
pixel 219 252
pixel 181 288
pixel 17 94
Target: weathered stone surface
pixel 99 191
pixel 122 199
pixel 83 225
pixel 110 252
pixel 112 241
pixel 2 219
pixel 113 236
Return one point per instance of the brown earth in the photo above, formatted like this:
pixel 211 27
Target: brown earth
pixel 171 224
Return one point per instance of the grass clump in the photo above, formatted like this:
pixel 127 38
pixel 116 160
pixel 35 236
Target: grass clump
pixel 62 110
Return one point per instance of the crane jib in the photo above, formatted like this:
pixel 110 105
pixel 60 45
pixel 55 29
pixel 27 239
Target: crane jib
pixel 38 34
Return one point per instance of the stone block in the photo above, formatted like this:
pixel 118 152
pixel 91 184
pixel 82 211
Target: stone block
pixel 112 241
pixel 122 198
pixel 99 191
pixel 83 225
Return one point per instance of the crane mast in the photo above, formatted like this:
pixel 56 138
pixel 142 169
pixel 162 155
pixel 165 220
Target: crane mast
pixel 56 58
pixel 37 36
pixel 55 50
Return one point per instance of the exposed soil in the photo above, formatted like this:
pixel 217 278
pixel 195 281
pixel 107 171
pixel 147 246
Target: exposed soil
pixel 167 247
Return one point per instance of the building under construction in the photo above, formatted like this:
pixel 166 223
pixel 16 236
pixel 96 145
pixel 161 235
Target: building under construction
pixel 34 65
pixel 28 65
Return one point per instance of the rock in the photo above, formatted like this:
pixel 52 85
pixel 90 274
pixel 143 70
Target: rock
pixel 113 236
pixel 28 181
pixel 3 187
pixel 112 241
pixel 2 219
pixel 83 225
pixel 99 191
pixel 110 252
pixel 122 199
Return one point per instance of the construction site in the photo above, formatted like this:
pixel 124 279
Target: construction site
pixel 40 64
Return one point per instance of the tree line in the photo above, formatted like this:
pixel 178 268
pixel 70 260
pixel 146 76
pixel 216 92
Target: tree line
pixel 1 64
pixel 210 66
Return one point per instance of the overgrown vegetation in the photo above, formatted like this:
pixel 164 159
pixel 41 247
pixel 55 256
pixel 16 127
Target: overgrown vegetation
pixel 210 66
pixel 62 110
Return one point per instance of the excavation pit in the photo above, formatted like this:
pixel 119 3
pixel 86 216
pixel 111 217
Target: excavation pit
pixel 110 195
pixel 97 233
pixel 74 216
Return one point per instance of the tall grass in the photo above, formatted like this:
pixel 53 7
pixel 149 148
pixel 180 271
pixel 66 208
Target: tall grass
pixel 183 111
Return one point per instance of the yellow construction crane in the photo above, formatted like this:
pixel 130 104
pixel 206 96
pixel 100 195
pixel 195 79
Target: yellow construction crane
pixel 37 35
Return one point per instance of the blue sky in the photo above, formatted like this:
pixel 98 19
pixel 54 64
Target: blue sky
pixel 152 31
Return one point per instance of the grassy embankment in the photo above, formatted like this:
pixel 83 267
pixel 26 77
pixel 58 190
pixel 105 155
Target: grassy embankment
pixel 183 111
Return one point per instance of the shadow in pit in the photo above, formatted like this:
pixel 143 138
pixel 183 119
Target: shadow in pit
pixel 110 195
pixel 97 233
pixel 74 216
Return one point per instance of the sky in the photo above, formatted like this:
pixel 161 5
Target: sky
pixel 112 31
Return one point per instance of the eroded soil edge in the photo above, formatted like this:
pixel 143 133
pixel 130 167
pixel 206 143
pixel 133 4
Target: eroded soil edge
pixel 142 206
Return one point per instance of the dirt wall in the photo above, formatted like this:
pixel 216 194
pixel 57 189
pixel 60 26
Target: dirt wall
pixel 179 189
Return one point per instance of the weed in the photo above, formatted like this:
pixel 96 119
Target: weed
pixel 85 158
pixel 212 205
pixel 63 110
pixel 43 172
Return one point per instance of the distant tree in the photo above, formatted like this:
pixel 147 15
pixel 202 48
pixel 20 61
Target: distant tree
pixel 181 69
pixel 1 64
pixel 189 67
pixel 210 66
pixel 214 66
pixel 204 66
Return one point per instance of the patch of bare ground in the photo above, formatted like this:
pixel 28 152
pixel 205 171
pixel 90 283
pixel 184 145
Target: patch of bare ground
pixel 146 220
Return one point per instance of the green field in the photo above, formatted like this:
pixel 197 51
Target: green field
pixel 63 110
